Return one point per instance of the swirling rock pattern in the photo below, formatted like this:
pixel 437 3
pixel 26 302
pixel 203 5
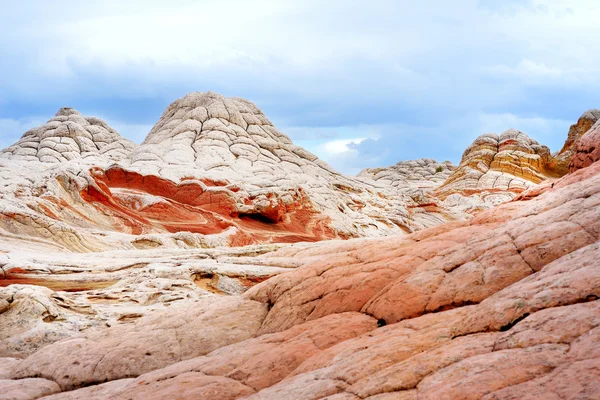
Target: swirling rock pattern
pixel 495 169
pixel 116 281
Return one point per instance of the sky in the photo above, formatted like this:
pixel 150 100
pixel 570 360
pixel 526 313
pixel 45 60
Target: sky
pixel 361 84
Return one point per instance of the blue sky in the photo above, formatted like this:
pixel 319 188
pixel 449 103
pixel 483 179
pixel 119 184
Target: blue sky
pixel 361 84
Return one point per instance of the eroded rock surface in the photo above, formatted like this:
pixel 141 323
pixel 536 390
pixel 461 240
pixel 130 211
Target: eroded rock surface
pixel 563 158
pixel 587 150
pixel 116 287
pixel 213 171
pixel 495 169
pixel 69 136
pixel 502 306
pixel 424 173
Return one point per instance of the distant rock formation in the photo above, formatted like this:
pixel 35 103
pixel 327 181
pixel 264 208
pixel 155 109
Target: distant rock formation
pixel 511 161
pixel 495 169
pixel 69 136
pixel 424 173
pixel 576 131
pixel 587 149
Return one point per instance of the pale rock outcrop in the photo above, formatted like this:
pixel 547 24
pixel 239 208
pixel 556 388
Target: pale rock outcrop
pixel 213 172
pixel 424 173
pixel 261 174
pixel 77 294
pixel 68 136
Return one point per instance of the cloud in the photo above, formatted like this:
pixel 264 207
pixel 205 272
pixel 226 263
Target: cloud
pixel 341 146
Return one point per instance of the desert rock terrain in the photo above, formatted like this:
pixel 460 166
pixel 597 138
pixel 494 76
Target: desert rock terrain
pixel 218 260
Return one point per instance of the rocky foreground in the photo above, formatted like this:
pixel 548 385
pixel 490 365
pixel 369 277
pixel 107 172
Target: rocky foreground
pixel 116 288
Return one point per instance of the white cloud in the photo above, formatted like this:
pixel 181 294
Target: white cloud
pixel 425 78
pixel 340 146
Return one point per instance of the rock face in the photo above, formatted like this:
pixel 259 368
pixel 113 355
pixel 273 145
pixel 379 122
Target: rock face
pixel 69 136
pixel 587 150
pixel 576 131
pixel 503 306
pixel 260 174
pixel 495 169
pixel 212 172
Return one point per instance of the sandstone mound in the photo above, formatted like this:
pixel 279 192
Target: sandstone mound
pixel 503 306
pixel 424 173
pixel 213 171
pixel 69 136
pixel 576 131
pixel 494 169
pixel 224 156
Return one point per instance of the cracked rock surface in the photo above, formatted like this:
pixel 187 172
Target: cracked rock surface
pixel 502 306
pixel 424 173
pixel 194 266
pixel 69 136
pixel 213 171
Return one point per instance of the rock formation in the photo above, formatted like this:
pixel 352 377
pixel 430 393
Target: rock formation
pixel 118 279
pixel 576 131
pixel 424 173
pixel 69 136
pixel 503 306
pixel 495 169
pixel 213 171
pixel 587 150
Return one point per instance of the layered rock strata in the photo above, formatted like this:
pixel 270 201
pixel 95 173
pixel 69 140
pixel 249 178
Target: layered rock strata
pixel 576 131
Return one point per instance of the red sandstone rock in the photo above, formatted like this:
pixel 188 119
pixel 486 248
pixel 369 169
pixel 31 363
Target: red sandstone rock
pixel 531 326
pixel 576 131
pixel 587 150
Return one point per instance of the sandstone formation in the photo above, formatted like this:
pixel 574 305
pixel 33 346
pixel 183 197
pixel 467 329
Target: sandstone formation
pixel 495 169
pixel 424 173
pixel 587 150
pixel 212 172
pixel 194 266
pixel 502 306
pixel 260 174
pixel 69 136
pixel 563 157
